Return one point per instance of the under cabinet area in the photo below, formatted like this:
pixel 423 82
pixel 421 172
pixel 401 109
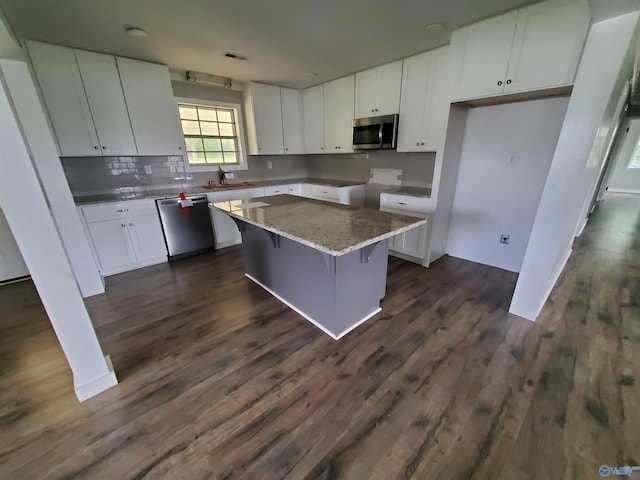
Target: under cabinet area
pixel 125 235
pixel 378 90
pixel 102 105
pixel 537 47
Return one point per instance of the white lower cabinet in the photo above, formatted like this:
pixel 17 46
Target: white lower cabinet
pixel 349 195
pixel 125 235
pixel 292 189
pixel 412 244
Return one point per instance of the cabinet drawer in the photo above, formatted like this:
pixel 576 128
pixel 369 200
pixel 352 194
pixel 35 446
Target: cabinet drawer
pixel 325 192
pixel 293 189
pixel 228 195
pixel 404 203
pixel 115 210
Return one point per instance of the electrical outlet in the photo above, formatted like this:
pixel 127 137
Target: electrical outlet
pixel 147 169
pixel 230 175
pixel 269 164
pixel 504 238
pixel 172 168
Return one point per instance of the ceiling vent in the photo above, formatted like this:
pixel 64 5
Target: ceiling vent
pixel 235 56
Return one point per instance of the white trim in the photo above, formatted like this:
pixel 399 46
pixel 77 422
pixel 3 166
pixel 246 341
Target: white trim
pixel 99 385
pixel 623 190
pixel 135 266
pixel 581 227
pixel 552 283
pixel 308 317
pixel 243 165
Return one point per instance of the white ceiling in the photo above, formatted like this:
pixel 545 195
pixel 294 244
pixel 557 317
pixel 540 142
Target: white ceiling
pixel 282 39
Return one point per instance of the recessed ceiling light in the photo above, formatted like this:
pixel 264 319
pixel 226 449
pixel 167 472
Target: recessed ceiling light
pixel 434 28
pixel 136 32
pixel 311 74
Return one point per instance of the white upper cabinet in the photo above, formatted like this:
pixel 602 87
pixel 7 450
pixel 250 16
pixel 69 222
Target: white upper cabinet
pixel 537 47
pixel 425 100
pixel 106 100
pixel 152 110
pixel 378 90
pixel 292 121
pixel 63 93
pixel 547 45
pixel 264 119
pixel 483 50
pixel 274 120
pixel 339 97
pixel 104 105
pixel 313 111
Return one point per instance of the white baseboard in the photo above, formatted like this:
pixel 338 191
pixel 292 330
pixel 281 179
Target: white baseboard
pixel 99 385
pixel 308 317
pixel 135 266
pixel 622 190
pixel 554 278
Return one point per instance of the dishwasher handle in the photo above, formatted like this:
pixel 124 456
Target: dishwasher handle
pixel 176 201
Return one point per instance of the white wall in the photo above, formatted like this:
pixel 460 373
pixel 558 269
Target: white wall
pixel 622 179
pixel 506 154
pixel 605 67
pixel 11 263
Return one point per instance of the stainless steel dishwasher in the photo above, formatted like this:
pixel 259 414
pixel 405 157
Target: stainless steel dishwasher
pixel 187 231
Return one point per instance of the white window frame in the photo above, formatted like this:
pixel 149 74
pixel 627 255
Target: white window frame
pixel 242 157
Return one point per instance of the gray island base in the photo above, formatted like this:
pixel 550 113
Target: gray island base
pixel 326 261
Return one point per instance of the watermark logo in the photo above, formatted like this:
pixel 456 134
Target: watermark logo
pixel 606 470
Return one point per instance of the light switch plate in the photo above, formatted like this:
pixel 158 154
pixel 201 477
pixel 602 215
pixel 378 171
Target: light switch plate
pixel 230 175
pixel 147 169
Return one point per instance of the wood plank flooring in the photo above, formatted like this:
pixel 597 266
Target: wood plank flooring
pixel 220 380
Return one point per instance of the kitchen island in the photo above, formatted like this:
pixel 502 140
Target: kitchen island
pixel 326 261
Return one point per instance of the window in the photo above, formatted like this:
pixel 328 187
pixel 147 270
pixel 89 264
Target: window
pixel 634 161
pixel 212 135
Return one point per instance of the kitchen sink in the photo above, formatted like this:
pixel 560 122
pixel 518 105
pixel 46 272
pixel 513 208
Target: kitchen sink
pixel 227 186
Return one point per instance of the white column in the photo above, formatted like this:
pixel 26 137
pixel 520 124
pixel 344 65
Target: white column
pixel 39 139
pixel 606 65
pixel 27 213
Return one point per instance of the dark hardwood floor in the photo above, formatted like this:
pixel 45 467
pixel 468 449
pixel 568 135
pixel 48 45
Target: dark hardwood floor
pixel 220 380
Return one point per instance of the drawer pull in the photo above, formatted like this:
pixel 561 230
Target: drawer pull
pixel 119 211
pixel 402 203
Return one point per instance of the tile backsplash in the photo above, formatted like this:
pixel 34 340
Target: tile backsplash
pixel 130 177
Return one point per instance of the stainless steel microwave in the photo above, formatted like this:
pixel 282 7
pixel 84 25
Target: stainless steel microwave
pixel 375 132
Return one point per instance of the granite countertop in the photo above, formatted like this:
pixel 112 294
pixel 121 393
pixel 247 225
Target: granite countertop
pixel 328 227
pixel 195 190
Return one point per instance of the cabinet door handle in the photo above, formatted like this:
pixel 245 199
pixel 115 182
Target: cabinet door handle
pixel 499 82
pixel 179 148
pixel 131 224
pixel 123 225
pixel 104 148
pixel 417 144
pixel 508 82
pixel 286 149
pixel 96 147
pixel 421 143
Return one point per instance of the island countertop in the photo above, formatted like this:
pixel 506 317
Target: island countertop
pixel 328 227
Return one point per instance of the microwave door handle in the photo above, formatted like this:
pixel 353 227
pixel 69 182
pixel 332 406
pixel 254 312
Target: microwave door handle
pixel 380 137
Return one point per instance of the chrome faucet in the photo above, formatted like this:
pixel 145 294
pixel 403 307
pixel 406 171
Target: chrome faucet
pixel 222 179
